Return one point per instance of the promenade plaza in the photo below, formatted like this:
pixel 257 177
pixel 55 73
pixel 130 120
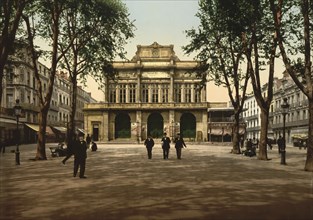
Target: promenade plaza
pixel 208 183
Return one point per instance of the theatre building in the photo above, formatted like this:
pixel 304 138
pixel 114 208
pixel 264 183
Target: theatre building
pixel 153 93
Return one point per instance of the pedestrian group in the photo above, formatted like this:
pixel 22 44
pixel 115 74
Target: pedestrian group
pixel 78 148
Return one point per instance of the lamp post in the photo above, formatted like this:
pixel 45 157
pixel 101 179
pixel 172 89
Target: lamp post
pixel 18 113
pixel 285 109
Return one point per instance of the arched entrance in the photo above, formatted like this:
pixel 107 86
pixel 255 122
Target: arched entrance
pixel 155 125
pixel 188 125
pixel 122 126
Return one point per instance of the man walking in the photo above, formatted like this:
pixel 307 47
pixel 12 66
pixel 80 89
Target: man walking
pixel 179 144
pixel 80 154
pixel 165 146
pixel 149 143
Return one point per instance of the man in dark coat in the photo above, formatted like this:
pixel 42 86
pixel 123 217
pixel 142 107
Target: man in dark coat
pixel 179 144
pixel 80 154
pixel 165 146
pixel 88 140
pixel 149 143
pixel 280 144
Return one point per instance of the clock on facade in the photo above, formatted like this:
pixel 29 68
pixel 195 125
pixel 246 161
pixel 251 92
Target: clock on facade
pixel 155 53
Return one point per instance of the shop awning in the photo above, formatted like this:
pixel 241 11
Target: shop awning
pixel 300 136
pixel 215 131
pixel 60 129
pixel 35 128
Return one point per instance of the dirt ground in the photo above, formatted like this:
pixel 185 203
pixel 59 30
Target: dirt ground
pixel 208 183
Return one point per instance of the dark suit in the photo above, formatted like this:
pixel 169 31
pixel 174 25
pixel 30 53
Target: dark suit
pixel 179 144
pixel 166 146
pixel 149 145
pixel 80 153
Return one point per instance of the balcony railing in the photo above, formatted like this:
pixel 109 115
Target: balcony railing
pixel 146 105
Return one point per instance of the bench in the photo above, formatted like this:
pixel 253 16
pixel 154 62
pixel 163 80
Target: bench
pixel 58 151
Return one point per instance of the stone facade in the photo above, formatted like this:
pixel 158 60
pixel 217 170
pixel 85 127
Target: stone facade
pixel 153 93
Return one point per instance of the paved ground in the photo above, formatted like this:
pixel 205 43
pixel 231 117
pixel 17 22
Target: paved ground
pixel 208 183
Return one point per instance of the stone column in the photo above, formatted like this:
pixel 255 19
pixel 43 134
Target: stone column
pixel 106 90
pixel 105 129
pixel 149 93
pixel 171 89
pixel 127 93
pixel 204 126
pixel 117 94
pixel 183 91
pixel 138 89
pixel 160 93
pixel 139 126
pixel 203 96
pixel 192 92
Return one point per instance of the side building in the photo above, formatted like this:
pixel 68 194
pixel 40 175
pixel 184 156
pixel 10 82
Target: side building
pixel 19 83
pixel 296 118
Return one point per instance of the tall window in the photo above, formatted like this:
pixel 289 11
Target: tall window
pixel 155 93
pixel 132 93
pixel 112 94
pixel 122 93
pixel 145 93
pixel 177 92
pixel 188 93
pixel 165 88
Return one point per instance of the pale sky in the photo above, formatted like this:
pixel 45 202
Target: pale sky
pixel 163 21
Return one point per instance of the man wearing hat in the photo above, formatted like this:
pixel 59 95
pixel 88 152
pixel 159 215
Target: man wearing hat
pixel 80 153
pixel 165 146
pixel 179 144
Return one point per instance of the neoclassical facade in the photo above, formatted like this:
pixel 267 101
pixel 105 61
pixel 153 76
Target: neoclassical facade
pixel 153 93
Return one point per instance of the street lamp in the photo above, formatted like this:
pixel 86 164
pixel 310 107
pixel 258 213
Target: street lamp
pixel 18 113
pixel 285 109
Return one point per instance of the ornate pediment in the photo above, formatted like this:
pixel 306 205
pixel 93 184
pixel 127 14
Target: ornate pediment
pixel 155 51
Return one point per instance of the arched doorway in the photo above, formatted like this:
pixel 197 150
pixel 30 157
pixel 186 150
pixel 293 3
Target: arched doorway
pixel 188 125
pixel 155 125
pixel 122 126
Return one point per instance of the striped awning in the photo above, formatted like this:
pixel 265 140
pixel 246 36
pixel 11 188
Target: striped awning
pixel 60 129
pixel 35 128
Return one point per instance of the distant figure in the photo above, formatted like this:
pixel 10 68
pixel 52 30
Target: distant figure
pixel 88 140
pixel 179 144
pixel 281 144
pixel 149 143
pixel 80 154
pixel 94 146
pixel 250 149
pixel 165 146
pixel 242 142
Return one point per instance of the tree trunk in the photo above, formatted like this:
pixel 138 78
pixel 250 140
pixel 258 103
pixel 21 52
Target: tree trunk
pixel 263 136
pixel 1 80
pixel 41 144
pixel 309 157
pixel 71 128
pixel 236 136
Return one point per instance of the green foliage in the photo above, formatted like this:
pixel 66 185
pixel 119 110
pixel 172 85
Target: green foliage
pixel 124 133
pixel 95 33
pixel 189 133
pixel 156 133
